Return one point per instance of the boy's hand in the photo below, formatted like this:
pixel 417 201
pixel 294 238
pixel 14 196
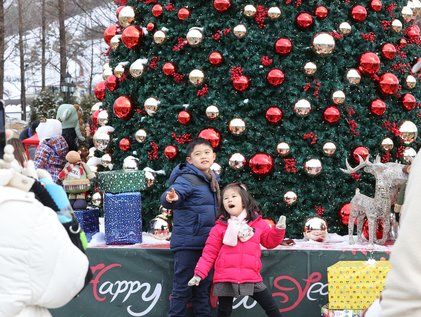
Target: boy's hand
pixel 281 224
pixel 171 196
pixel 194 281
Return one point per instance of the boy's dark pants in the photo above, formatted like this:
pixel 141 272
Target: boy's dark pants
pixel 184 263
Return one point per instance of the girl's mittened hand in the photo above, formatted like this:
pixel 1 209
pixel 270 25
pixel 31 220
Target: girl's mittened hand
pixel 194 281
pixel 281 224
pixel 171 195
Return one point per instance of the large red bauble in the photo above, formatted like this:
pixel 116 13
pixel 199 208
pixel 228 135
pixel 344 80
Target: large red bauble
pixel 275 77
pixel 215 58
pixel 150 26
pixel 157 10
pixel 376 5
pixel 109 32
pixel 369 63
pixel 111 83
pixel 94 118
pixel 120 2
pixel 379 230
pixel 283 46
pixel 99 91
pixel 170 152
pixel 241 83
pixel 131 36
pixel 359 13
pixel 360 151
pixel 184 117
pixel 389 51
pixel 321 12
pixel 274 115
pixel 168 69
pixel 221 5
pixel 408 102
pixel 261 164
pixel 212 135
pixel 124 144
pixel 183 14
pixel 343 213
pixel 123 107
pixel 378 107
pixel 389 84
pixel 332 115
pixel 304 20
pixel 413 33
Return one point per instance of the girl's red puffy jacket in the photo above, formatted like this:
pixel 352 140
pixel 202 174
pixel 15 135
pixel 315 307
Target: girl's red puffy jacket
pixel 239 264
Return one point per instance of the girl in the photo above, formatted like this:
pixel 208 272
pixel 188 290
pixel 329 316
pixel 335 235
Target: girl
pixel 234 247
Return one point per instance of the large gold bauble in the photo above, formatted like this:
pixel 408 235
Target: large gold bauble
pixel 274 13
pixel 310 68
pixel 103 117
pixel 415 5
pixel 353 76
pixel 101 140
pixel 338 97
pixel 240 31
pixel 302 107
pixel 151 105
pixel 313 167
pixel 409 154
pixel 160 227
pixel 396 25
pixel 329 148
pixel 126 16
pixel 196 77
pixel 345 28
pixel 119 70
pixel 159 37
pixel 212 112
pixel 216 168
pixel 387 144
pixel 137 68
pixel 149 178
pixel 315 229
pixel 130 164
pixel 107 72
pixel 115 42
pixel 407 13
pixel 194 37
pixel 237 161
pixel 140 136
pixel 96 199
pixel 408 132
pixel 411 81
pixel 323 44
pixel 106 161
pixel 283 149
pixel 249 10
pixel 237 126
pixel 290 198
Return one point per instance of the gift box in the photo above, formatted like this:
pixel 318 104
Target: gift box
pixel 117 182
pixel 89 221
pixel 326 312
pixel 356 284
pixel 123 220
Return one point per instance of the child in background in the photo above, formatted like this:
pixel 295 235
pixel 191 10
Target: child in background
pixel 233 247
pixel 193 196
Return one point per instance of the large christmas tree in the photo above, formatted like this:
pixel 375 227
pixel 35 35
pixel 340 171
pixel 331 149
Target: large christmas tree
pixel 290 86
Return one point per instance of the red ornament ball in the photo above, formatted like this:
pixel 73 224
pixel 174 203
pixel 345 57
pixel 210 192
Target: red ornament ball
pixel 99 91
pixel 376 5
pixel 94 118
pixel 241 83
pixel 170 152
pixel 124 144
pixel 304 20
pixel 359 13
pixel 215 58
pixel 274 115
pixel 183 14
pixel 261 164
pixel 275 77
pixel 321 12
pixel 389 84
pixel 389 51
pixel 184 117
pixel 111 83
pixel 131 36
pixel 408 102
pixel 378 107
pixel 168 69
pixel 157 10
pixel 120 2
pixel 221 5
pixel 332 115
pixel 150 26
pixel 109 32
pixel 212 135
pixel 413 33
pixel 283 46
pixel 379 230
pixel 123 107
pixel 369 63
pixel 360 151
pixel 343 213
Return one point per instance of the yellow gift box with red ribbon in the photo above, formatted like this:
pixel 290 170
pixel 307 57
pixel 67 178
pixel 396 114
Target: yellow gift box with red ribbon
pixel 356 284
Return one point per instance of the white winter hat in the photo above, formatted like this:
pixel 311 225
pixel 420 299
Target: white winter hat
pixel 48 129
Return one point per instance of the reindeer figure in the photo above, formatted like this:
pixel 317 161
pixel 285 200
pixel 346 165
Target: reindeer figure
pixel 388 178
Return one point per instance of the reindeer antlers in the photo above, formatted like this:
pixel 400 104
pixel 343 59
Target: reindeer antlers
pixel 361 164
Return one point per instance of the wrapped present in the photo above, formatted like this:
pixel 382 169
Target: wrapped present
pixel 117 182
pixel 326 312
pixel 89 221
pixel 356 284
pixel 123 220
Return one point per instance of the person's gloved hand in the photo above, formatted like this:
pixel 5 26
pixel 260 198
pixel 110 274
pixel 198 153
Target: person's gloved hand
pixel 281 224
pixel 194 281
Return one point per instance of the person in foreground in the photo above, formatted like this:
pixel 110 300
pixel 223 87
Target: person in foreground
pixel 233 248
pixel 402 294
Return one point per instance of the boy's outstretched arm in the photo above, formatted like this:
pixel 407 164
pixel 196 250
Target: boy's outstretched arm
pixel 177 193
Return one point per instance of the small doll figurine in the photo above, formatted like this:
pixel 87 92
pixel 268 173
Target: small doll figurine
pixel 76 176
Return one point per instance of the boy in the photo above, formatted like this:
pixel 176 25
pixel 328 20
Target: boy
pixel 193 196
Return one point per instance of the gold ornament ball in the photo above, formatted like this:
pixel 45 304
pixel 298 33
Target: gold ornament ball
pixel 115 42
pixel 106 161
pixel 240 31
pixel 96 199
pixel 329 148
pixel 119 70
pixel 283 149
pixel 409 154
pixel 126 16
pixel 345 28
pixel 315 229
pixel 415 5
pixel 338 97
pixel 101 140
pixel 237 161
pixel 407 13
pixel 408 132
pixel 194 37
pixel 313 167
pixel 323 44
pixel 216 168
pixel 353 76
pixel 130 164
pixel 302 107
pixel 237 126
pixel 136 68
pixel 290 198
pixel 149 178
pixel 212 112
pixel 107 72
pixel 249 10
pixel 196 77
pixel 103 117
pixel 387 144
pixel 411 81
pixel 159 37
pixel 274 13
pixel 140 135
pixel 396 25
pixel 310 68
pixel 151 105
pixel 160 227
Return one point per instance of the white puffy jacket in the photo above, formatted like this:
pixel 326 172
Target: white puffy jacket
pixel 40 268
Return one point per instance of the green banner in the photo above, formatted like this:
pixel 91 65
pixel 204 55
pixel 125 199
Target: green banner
pixel 137 282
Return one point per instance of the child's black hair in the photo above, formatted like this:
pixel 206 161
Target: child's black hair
pixel 250 205
pixel 194 142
